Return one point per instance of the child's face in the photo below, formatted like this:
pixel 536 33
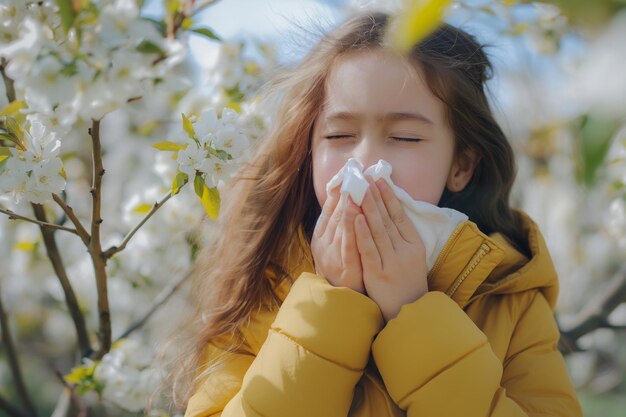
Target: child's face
pixel 370 85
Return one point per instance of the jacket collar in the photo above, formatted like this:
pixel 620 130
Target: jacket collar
pixel 472 264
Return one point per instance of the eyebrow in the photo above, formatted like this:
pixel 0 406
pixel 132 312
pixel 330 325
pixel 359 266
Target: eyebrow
pixel 343 115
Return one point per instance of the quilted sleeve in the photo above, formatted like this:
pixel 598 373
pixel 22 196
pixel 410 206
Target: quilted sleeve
pixel 314 354
pixel 435 361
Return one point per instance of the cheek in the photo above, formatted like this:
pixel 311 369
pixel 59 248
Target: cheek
pixel 422 179
pixel 325 166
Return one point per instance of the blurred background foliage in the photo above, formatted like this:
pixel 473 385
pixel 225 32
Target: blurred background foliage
pixel 559 93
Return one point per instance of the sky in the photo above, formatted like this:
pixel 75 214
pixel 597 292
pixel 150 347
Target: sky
pixel 291 25
pixel 269 20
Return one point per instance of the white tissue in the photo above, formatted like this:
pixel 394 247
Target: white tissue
pixel 352 181
pixel 434 224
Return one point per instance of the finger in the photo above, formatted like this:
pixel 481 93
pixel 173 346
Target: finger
pixel 379 202
pixel 376 226
pixel 332 199
pixel 403 224
pixel 349 251
pixel 330 205
pixel 394 235
pixel 334 230
pixel 370 258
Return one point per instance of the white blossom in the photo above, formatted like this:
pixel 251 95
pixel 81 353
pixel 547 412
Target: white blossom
pixel 233 69
pixel 190 158
pixel 128 381
pixel 35 173
pixel 30 35
pixel 232 141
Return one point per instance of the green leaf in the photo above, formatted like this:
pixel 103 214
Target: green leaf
pixel 518 29
pixel 187 23
pixel 146 128
pixel 211 202
pixel 147 47
pixel 188 127
pixel 25 246
pixel 5 151
pixel 169 146
pixel 6 136
pixel 596 135
pixel 67 14
pixel 16 133
pixel 69 69
pixel 79 373
pixel 206 32
pixel 415 22
pixel 198 185
pixel 235 94
pixel 69 155
pixel 219 153
pixel 172 6
pixel 142 208
pixel 12 108
pixel 84 380
pixel 179 180
pixel 160 24
pixel 486 9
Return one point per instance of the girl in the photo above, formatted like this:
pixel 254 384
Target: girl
pixel 309 305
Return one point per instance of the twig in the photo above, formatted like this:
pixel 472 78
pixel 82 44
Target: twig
pixel 70 297
pixel 10 409
pixel 69 393
pixel 115 249
pixel 80 229
pixel 7 339
pixel 615 327
pixel 95 248
pixel 8 83
pixel 14 216
pixel 595 314
pixel 161 298
pixel 14 364
pixel 204 5
pixel 63 404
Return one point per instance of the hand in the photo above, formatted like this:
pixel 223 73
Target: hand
pixel 333 244
pixel 393 256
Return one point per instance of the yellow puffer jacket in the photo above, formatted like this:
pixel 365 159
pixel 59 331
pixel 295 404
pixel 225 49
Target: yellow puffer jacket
pixel 482 342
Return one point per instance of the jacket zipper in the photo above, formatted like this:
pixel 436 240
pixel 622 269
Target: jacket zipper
pixel 446 248
pixel 478 256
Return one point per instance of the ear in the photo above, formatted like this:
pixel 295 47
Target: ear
pixel 462 170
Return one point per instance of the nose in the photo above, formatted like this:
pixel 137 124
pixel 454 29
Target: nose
pixel 367 151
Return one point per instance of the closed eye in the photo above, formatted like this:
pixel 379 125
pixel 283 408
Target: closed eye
pixel 407 139
pixel 338 136
pixel 394 137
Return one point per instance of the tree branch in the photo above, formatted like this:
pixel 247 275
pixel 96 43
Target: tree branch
pixel 67 398
pixel 115 249
pixel 595 314
pixel 14 364
pixel 161 299
pixel 80 230
pixel 70 297
pixel 95 248
pixel 8 83
pixel 14 216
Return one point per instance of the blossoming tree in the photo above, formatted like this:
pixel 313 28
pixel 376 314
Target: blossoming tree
pixel 113 154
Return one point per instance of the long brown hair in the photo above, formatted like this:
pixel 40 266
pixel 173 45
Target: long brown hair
pixel 272 196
